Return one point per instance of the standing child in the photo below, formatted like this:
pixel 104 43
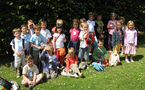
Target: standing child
pixel 100 26
pixel 58 22
pixel 30 72
pixel 74 41
pixel 50 63
pixel 100 53
pixel 58 42
pixel 18 46
pixel 83 46
pixel 36 40
pixel 130 41
pixel 26 36
pixel 111 27
pixel 30 27
pixel 72 62
pixel 45 32
pixel 117 38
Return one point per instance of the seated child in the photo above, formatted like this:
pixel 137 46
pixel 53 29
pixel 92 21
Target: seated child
pixel 100 53
pixel 50 63
pixel 30 72
pixel 72 62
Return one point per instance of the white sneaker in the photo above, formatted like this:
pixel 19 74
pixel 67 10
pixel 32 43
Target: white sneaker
pixel 131 60
pixel 127 60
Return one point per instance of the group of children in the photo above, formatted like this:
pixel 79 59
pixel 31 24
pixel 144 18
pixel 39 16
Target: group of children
pixel 28 50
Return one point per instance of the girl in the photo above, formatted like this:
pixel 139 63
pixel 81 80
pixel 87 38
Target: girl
pixel 130 41
pixel 74 33
pixel 117 37
pixel 111 27
pixel 123 29
pixel 72 62
pixel 58 42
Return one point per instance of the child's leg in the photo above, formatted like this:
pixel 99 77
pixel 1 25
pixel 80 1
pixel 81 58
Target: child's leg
pixel 23 61
pixel 39 77
pixel 81 54
pixel 86 55
pixel 35 57
pixel 61 58
pixel 47 74
pixel 109 42
pixel 126 56
pixel 24 82
pixel 17 65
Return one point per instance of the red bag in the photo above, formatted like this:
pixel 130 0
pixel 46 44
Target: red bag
pixel 90 38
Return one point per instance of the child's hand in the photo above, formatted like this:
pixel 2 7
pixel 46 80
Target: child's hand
pixel 135 45
pixel 50 60
pixel 54 50
pixel 30 82
pixel 40 48
pixel 18 54
pixel 33 83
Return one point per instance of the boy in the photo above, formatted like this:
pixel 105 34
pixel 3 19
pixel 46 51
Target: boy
pixel 30 27
pixel 18 46
pixel 58 21
pixel 51 62
pixel 36 40
pixel 27 37
pixel 100 26
pixel 45 32
pixel 100 53
pixel 30 72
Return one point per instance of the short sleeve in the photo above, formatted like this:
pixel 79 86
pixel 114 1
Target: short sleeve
pixel 24 70
pixel 54 35
pixel 11 43
pixel 63 35
pixel 31 39
pixel 102 23
pixel 42 38
pixel 36 70
pixel 49 34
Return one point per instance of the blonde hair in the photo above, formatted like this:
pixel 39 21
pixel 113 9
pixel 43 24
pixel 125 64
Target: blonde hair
pixel 129 22
pixel 82 20
pixel 16 30
pixel 43 22
pixel 71 51
pixel 85 23
pixel 24 25
pixel 59 21
pixel 38 27
pixel 28 58
pixel 30 21
pixel 49 46
pixel 113 13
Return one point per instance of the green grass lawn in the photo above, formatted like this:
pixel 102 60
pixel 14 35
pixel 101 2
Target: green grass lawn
pixel 128 76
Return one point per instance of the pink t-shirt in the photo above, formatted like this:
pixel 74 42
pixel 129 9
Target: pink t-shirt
pixel 75 34
pixel 110 30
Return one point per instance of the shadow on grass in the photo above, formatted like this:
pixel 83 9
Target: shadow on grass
pixel 135 58
pixel 6 60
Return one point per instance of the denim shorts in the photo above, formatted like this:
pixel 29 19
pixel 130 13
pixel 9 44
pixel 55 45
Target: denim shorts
pixel 82 52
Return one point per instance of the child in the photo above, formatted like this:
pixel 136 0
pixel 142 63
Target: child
pixel 58 42
pixel 74 41
pixel 27 37
pixel 130 41
pixel 30 72
pixel 123 29
pixel 100 26
pixel 18 46
pixel 111 27
pixel 117 38
pixel 45 32
pixel 100 53
pixel 72 62
pixel 51 62
pixel 30 27
pixel 36 40
pixel 58 22
pixel 83 46
pixel 82 20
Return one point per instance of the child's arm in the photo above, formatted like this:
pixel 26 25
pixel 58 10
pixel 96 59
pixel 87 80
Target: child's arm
pixel 76 60
pixel 34 79
pixel 105 53
pixel 135 38
pixel 36 46
pixel 54 38
pixel 108 25
pixel 113 39
pixel 43 55
pixel 29 47
pixel 48 40
pixel 95 54
pixel 23 49
pixel 67 65
pixel 85 34
pixel 15 51
pixel 25 78
pixel 64 39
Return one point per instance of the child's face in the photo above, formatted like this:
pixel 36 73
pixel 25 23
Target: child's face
pixel 37 32
pixel 24 30
pixel 118 25
pixel 75 26
pixel 43 26
pixel 91 17
pixel 17 34
pixel 30 24
pixel 113 17
pixel 85 27
pixel 49 50
pixel 71 55
pixel 130 26
pixel 30 63
pixel 99 18
pixel 59 30
pixel 100 44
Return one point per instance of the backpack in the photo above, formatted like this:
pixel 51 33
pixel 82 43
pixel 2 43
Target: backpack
pixel 99 66
pixel 90 38
pixel 4 84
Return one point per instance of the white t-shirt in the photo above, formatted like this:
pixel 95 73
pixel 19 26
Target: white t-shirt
pixel 31 32
pixel 82 42
pixel 91 25
pixel 59 43
pixel 18 45
pixel 30 71
pixel 46 33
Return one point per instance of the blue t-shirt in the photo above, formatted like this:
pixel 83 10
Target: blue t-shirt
pixel 36 40
pixel 27 39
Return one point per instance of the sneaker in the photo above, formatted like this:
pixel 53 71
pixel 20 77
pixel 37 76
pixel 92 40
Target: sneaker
pixel 30 87
pixel 121 53
pixel 74 75
pixel 81 75
pixel 18 74
pixel 127 60
pixel 131 60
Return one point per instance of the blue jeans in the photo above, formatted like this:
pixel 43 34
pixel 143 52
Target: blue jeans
pixel 83 51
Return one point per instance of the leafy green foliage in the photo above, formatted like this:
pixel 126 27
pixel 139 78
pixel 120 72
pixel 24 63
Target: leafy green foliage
pixel 16 12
